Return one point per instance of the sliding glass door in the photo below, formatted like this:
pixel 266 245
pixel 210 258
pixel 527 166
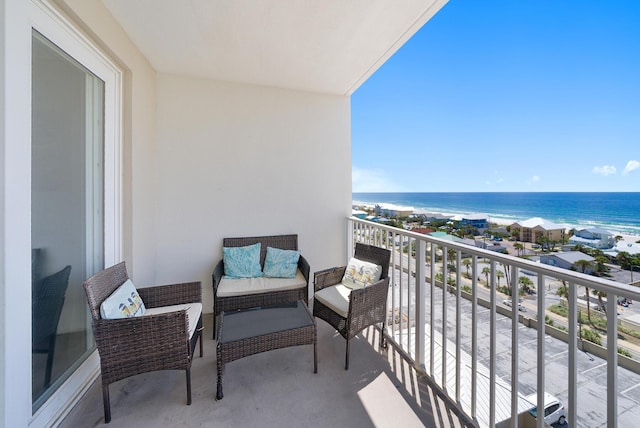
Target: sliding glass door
pixel 68 211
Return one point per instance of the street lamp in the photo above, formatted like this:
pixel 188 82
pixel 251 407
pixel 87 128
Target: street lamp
pixel 631 266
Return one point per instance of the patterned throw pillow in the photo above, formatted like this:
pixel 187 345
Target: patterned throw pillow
pixel 242 262
pixel 125 302
pixel 281 263
pixel 359 274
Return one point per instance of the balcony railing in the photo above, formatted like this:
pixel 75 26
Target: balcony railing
pixel 445 330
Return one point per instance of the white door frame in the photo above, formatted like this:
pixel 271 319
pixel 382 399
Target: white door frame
pixel 51 23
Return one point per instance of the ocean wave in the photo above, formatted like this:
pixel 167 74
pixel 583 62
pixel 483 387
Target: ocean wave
pixel 505 219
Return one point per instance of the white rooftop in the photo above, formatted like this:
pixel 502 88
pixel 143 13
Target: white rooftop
pixel 539 222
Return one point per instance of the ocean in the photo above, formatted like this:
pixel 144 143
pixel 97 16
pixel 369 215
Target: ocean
pixel 617 212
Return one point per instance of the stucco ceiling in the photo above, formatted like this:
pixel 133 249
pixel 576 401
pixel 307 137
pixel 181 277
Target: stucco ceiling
pixel 327 46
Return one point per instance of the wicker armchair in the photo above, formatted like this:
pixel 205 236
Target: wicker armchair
pixel 132 346
pixel 233 303
pixel 366 306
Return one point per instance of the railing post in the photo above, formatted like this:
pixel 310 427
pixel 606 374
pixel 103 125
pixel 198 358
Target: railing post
pixel 350 238
pixel 443 345
pixel 492 346
pixel 421 288
pixel 612 361
pixel 572 411
pixel 458 322
pixel 474 336
pixel 542 326
pixel 432 320
pixel 515 318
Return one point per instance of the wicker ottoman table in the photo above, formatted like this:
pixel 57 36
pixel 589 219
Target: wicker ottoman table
pixel 248 332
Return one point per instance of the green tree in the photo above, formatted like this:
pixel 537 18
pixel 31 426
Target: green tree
pixel 623 259
pixel 600 264
pixel 466 263
pixel 499 274
pixel 582 265
pixel 563 291
pixel 600 294
pixel 486 271
pixel 526 285
pixel 519 247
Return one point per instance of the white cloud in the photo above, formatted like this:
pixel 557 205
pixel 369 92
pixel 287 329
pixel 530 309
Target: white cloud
pixel 604 170
pixel 533 180
pixel 632 165
pixel 372 180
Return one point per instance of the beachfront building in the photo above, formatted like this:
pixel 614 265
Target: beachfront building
pixel 569 260
pixel 533 229
pixel 593 237
pixel 632 248
pixel 390 210
pixel 479 221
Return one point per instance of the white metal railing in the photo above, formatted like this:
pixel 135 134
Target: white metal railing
pixel 430 329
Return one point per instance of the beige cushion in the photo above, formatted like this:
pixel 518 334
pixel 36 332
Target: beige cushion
pixel 231 287
pixel 359 274
pixel 335 297
pixel 193 313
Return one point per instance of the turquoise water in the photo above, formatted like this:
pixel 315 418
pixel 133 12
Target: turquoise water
pixel 616 212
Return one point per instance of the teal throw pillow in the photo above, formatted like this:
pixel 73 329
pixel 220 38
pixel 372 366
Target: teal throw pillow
pixel 242 262
pixel 281 263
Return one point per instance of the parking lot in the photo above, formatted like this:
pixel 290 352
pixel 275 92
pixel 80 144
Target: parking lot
pixel 592 377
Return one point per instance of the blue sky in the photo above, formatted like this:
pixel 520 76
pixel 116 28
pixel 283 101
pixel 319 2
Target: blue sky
pixel 504 96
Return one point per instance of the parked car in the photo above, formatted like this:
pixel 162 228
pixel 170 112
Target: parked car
pixel 521 307
pixel 554 411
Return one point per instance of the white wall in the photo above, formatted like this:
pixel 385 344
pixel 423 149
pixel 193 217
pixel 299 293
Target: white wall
pixel 242 160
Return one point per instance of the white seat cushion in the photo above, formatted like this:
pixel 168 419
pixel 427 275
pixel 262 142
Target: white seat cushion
pixel 193 313
pixel 335 297
pixel 231 287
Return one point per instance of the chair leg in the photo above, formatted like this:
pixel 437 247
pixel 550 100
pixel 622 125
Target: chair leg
pixel 346 362
pixel 188 386
pixel 47 373
pixel 201 345
pixel 383 339
pixel 105 402
pixel 214 325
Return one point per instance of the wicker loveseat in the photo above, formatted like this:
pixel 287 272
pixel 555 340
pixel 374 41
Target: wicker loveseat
pixel 230 294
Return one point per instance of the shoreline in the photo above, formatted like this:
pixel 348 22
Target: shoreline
pixel 628 237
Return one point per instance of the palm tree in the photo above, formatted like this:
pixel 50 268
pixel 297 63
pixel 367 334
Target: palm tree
pixel 526 285
pixel 486 271
pixel 623 259
pixel 563 291
pixel 519 247
pixel 499 274
pixel 600 264
pixel 466 263
pixel 600 295
pixel 582 266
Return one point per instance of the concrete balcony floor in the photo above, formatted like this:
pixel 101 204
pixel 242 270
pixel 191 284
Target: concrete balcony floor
pixel 279 389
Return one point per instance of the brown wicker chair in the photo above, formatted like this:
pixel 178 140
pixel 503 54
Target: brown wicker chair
pixel 132 346
pixel 367 306
pixel 233 303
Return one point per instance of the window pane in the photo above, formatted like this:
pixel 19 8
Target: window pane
pixel 67 211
